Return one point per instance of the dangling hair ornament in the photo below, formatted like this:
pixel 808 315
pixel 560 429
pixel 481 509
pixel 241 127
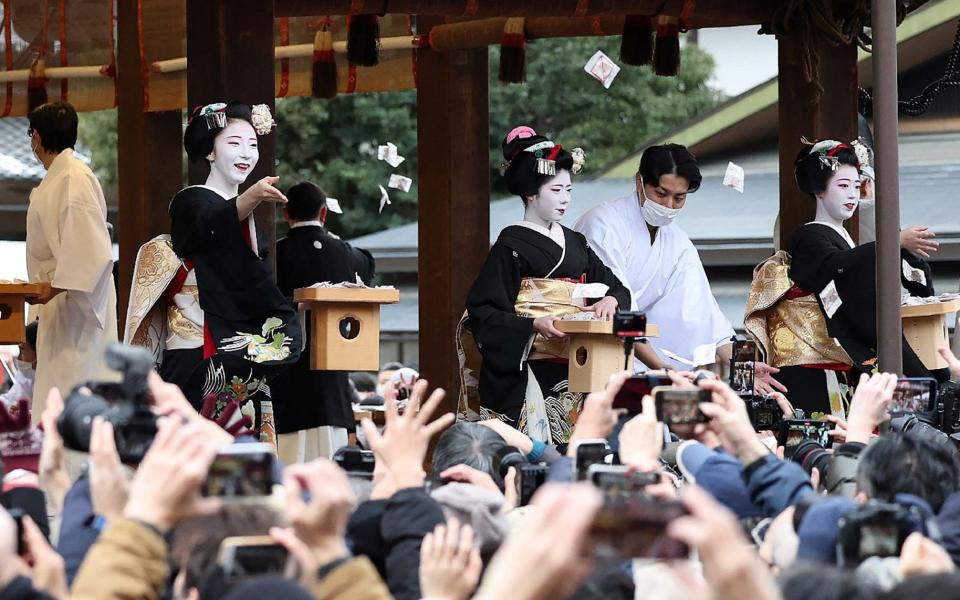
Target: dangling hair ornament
pixel 546 163
pixel 214 114
pixel 262 120
pixel 826 149
pixel 579 158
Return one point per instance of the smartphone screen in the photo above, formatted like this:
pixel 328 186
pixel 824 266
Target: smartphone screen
pixel 879 539
pixel 616 481
pixel 241 471
pixel 912 395
pixel 630 396
pixel 680 406
pixel 742 367
pixel 794 431
pixel 590 452
pixel 252 557
pixel 635 527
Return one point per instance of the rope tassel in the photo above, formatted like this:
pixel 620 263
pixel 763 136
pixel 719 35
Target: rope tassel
pixel 37 84
pixel 666 52
pixel 513 52
pixel 363 40
pixel 636 45
pixel 324 82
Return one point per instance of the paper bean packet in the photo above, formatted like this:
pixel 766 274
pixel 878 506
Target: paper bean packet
pixel 388 153
pixel 399 182
pixel 602 68
pixel 734 177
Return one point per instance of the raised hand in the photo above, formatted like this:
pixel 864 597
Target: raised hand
pixel 403 445
pixel 868 409
pixel 449 563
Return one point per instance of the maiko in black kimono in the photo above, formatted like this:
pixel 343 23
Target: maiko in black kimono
pixel 504 338
pixel 251 331
pixel 821 255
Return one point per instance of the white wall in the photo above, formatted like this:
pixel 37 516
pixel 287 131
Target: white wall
pixel 743 58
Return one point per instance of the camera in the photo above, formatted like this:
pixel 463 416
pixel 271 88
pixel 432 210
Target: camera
pixel 126 405
pixel 620 481
pixel 921 428
pixel 765 413
pixel 588 453
pixel 529 476
pixel 876 529
pixel 355 461
pixel 810 455
pixel 629 324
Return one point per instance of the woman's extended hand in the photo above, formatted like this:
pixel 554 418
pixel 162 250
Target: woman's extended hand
pixel 605 308
pixel 544 326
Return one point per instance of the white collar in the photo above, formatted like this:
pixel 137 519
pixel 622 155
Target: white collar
pixel 306 224
pixel 840 230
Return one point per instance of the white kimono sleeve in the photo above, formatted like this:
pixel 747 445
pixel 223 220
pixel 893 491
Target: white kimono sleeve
pixel 83 252
pixel 605 242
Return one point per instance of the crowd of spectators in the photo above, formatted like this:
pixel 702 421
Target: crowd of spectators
pixel 443 510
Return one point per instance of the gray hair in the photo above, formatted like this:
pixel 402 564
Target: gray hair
pixel 469 444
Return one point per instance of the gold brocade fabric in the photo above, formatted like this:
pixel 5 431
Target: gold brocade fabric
pixel 180 324
pixel 155 267
pixel 790 332
pixel 542 298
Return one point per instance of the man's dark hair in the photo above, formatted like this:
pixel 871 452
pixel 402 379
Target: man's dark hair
pixel 31 330
pixel 363 381
pixel 812 580
pixel 943 586
pixel 469 444
pixel 669 159
pixel 56 123
pixel 196 542
pixel 905 463
pixel 304 201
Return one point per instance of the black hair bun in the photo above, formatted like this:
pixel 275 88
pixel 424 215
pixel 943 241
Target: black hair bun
pixel 202 131
pixel 521 174
pixel 813 172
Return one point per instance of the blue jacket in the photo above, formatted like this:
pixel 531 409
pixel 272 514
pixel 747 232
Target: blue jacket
pixel 775 484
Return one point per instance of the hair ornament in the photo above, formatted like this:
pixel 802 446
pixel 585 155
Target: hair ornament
pixel 535 148
pixel 262 120
pixel 863 152
pixel 523 131
pixel 579 158
pixel 214 114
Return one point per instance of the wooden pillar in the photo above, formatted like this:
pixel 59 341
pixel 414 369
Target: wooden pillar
pixel 149 147
pixel 801 114
pixel 230 57
pixel 454 198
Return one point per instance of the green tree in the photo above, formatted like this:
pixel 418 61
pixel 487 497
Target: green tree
pixel 561 101
pixel 334 143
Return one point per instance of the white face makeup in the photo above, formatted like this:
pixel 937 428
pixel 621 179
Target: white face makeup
pixel 235 152
pixel 842 195
pixel 553 198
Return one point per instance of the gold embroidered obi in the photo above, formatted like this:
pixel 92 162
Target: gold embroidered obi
pixel 542 297
pixel 180 324
pixel 786 322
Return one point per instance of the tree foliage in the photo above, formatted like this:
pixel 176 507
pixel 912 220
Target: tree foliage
pixel 334 142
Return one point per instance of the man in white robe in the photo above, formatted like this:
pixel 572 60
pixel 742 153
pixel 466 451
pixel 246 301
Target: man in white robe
pixel 666 279
pixel 68 246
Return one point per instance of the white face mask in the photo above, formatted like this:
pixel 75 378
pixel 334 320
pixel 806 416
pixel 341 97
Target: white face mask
pixel 24 367
pixel 655 214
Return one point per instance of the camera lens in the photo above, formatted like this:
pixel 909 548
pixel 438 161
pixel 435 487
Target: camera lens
pixel 811 455
pixel 76 420
pixel 510 457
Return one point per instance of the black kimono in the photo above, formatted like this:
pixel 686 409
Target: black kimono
pixel 819 255
pixel 304 398
pixel 251 331
pixel 503 338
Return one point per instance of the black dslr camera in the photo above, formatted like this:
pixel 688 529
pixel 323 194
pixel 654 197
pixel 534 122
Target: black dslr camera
pixel 765 413
pixel 126 405
pixel 529 476
pixel 877 529
pixel 356 461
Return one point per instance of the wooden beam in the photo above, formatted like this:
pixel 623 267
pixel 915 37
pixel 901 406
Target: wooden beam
pixel 735 11
pixel 149 147
pixel 230 57
pixel 454 199
pixel 802 114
